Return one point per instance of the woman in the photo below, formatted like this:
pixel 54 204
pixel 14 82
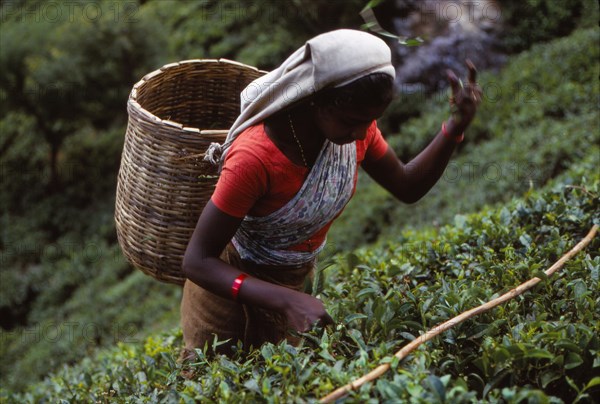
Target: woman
pixel 289 166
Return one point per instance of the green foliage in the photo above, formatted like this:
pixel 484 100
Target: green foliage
pixel 75 287
pixel 532 21
pixel 23 162
pixel 539 115
pixel 260 33
pixel 58 239
pixel 542 346
pixel 52 278
pixel 54 76
pixel 66 290
pixel 66 69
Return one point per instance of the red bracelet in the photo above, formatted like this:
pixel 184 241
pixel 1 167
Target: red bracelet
pixel 456 139
pixel 237 284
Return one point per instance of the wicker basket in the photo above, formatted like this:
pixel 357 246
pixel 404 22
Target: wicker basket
pixel 174 114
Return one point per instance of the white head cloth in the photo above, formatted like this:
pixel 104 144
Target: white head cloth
pixel 332 59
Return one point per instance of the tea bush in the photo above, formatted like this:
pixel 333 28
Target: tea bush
pixel 60 260
pixel 539 347
pixel 531 21
pixel 539 115
pixel 61 266
pixel 75 313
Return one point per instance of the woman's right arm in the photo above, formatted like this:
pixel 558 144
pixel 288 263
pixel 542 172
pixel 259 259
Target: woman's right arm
pixel 202 265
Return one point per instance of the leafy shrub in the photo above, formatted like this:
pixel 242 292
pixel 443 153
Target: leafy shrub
pixel 22 163
pixel 48 284
pixel 74 312
pixel 541 346
pixel 537 118
pixel 259 33
pixel 532 21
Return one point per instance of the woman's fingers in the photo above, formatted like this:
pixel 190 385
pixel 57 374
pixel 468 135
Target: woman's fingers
pixel 326 319
pixel 454 82
pixel 472 73
pixel 465 98
pixel 306 312
pixel 467 93
pixel 320 322
pixel 474 87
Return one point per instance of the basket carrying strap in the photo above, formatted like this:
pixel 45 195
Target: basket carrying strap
pixel 324 194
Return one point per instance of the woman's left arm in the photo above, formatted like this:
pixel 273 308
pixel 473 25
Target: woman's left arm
pixel 410 182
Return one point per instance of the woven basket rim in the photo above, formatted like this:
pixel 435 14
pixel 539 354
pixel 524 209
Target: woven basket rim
pixel 152 207
pixel 133 101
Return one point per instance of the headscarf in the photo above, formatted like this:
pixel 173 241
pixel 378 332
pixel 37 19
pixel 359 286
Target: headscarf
pixel 332 59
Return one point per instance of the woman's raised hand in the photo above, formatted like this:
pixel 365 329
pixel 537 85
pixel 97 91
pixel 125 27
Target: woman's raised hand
pixel 465 97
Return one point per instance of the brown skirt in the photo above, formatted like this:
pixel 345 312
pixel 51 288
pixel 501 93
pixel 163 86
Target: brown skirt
pixel 205 314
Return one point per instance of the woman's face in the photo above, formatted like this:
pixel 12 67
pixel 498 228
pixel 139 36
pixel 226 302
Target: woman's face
pixel 345 125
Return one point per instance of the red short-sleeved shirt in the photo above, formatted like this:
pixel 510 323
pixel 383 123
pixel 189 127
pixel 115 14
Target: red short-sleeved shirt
pixel 257 178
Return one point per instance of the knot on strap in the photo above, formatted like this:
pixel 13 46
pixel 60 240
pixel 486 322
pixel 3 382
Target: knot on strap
pixel 214 153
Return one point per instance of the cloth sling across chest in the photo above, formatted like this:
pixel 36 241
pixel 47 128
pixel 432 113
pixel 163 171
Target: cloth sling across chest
pixel 326 61
pixel 325 192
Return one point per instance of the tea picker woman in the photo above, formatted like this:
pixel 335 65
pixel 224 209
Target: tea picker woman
pixel 288 168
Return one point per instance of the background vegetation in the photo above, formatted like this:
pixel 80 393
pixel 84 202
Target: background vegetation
pixel 524 187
